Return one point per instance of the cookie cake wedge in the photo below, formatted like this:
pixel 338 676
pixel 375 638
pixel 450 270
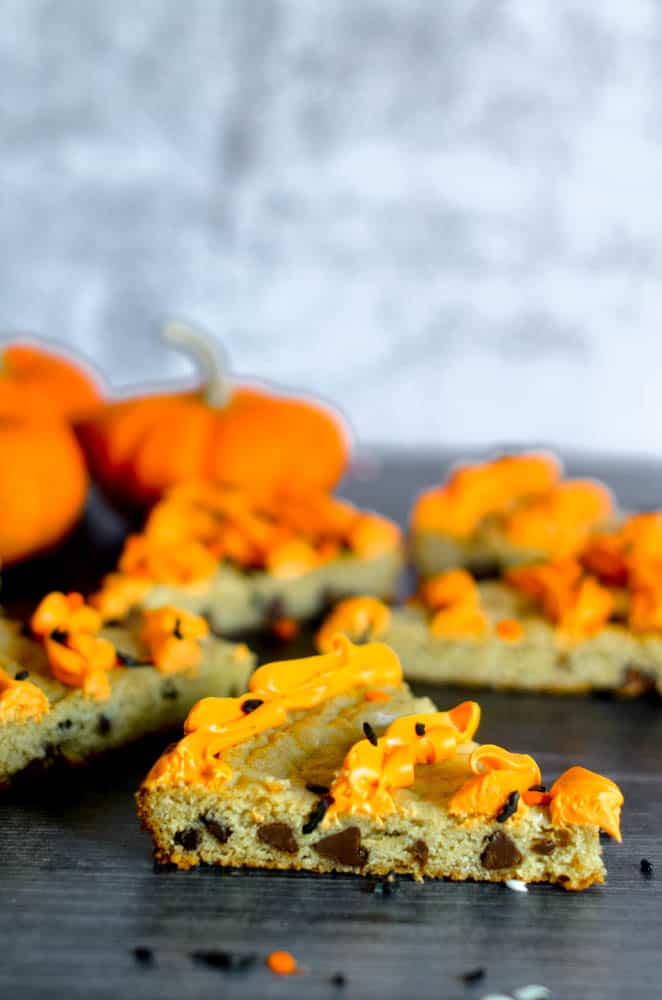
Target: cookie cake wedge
pixel 247 562
pixel 71 688
pixel 514 510
pixel 589 623
pixel 329 763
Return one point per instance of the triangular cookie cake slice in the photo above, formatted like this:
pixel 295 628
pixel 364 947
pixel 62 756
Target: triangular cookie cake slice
pixel 591 622
pixel 330 763
pixel 249 561
pixel 71 688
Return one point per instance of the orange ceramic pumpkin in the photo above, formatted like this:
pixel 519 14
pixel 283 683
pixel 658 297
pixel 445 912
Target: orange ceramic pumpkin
pixel 243 435
pixel 43 482
pixel 36 382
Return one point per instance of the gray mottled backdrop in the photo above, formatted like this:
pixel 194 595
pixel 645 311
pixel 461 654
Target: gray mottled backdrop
pixel 444 214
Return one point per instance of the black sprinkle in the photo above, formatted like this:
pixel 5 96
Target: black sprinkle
pixel 177 631
pixel 188 839
pixel 169 692
pixel 420 728
pixel 227 961
pixel 317 789
pixel 126 660
pixel 384 888
pixel 537 788
pixel 250 705
pixel 370 733
pixel 473 976
pixel 317 814
pixel 510 807
pixel 104 725
pixel 22 675
pixel 144 956
pixel 65 724
pixel 59 635
pixel 338 979
pixel 645 867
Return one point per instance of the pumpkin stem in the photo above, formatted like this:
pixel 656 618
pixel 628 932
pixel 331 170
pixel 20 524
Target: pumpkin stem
pixel 208 356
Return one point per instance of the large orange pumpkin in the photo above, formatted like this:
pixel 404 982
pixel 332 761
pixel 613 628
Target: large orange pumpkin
pixel 43 482
pixel 241 434
pixel 37 382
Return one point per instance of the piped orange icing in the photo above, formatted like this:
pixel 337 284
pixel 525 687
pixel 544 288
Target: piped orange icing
pixel 578 604
pixel 215 725
pixel 360 618
pixel 371 772
pixel 21 701
pixel 583 797
pixel 79 657
pixel 473 492
pixel 535 511
pixel 76 655
pixel 198 525
pixel 559 523
pixel 455 599
pixel 172 637
pixel 579 797
pixel 498 773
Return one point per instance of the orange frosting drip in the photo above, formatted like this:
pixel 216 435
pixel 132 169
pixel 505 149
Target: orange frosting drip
pixel 578 604
pixel 631 557
pixel 583 797
pixel 578 797
pixel 173 638
pixel 197 525
pixel 21 701
pixel 76 655
pixel 475 491
pixel 215 725
pixel 360 618
pixel 455 599
pixel 498 774
pixel 559 523
pixel 371 774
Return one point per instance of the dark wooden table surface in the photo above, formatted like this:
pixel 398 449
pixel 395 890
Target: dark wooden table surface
pixel 78 891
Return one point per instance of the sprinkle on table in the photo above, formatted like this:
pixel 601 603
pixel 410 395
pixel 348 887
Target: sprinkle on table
pixel 473 976
pixel 516 885
pixel 282 963
pixel 645 867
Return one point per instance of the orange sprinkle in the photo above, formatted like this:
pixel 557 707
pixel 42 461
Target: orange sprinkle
pixel 377 696
pixel 282 963
pixel 285 628
pixel 509 630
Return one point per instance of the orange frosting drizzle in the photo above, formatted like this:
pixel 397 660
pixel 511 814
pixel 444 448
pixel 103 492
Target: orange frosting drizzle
pixel 559 523
pixel 578 604
pixel 455 599
pixel 498 773
pixel 79 657
pixel 360 618
pixel 76 655
pixel 197 525
pixel 537 512
pixel 172 637
pixel 215 725
pixel 21 701
pixel 581 796
pixel 371 773
pixel 473 492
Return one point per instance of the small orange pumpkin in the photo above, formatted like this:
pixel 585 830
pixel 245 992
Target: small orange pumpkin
pixel 36 382
pixel 43 482
pixel 243 435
